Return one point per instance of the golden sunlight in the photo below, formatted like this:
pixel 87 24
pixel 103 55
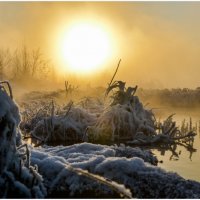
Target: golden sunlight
pixel 85 48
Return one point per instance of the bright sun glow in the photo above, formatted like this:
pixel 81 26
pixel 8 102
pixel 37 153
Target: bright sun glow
pixel 85 48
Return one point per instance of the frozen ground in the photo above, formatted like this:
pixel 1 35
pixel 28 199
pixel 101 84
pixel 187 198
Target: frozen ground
pixel 133 170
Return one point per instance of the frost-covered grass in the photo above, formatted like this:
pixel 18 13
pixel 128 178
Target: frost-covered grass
pixel 124 119
pixel 86 170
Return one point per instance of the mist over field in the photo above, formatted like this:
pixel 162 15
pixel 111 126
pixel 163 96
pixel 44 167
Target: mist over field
pixel 99 100
pixel 158 41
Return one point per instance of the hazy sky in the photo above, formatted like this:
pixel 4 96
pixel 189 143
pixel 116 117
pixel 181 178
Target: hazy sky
pixel 158 42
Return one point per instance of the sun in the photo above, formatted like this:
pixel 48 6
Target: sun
pixel 85 48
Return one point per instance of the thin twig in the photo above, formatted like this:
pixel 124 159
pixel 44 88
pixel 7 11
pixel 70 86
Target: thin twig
pixel 114 74
pixel 70 106
pixel 9 87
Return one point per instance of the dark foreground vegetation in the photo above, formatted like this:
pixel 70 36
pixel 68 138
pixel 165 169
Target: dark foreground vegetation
pixel 95 164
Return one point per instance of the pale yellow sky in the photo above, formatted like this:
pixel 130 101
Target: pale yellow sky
pixel 158 42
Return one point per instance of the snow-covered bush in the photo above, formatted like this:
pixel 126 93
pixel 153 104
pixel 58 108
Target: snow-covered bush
pixel 124 118
pixel 66 127
pixel 17 177
pixel 9 112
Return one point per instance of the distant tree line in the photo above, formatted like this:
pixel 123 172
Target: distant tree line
pixel 172 97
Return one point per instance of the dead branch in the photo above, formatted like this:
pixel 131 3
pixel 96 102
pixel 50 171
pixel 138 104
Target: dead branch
pixel 114 74
pixel 122 190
